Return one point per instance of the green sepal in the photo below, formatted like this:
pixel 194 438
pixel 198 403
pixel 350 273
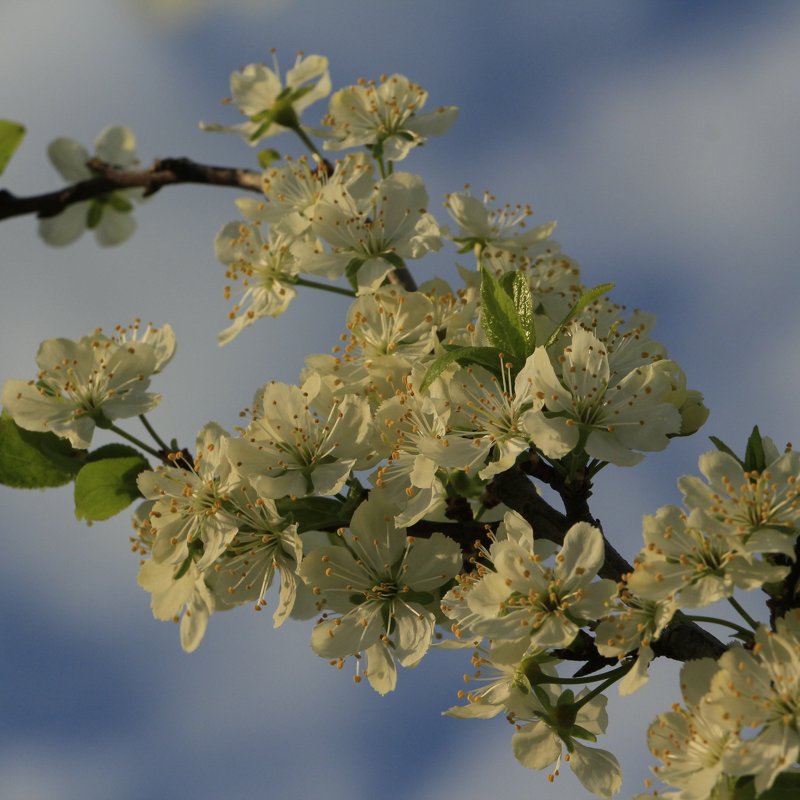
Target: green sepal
pixel 421 598
pixel 106 484
pixel 260 131
pixel 566 698
pixel 351 271
pixel 578 732
pixel 313 513
pixel 754 458
pixel 500 319
pixel 195 548
pixel 589 296
pixel 184 567
pixel 94 214
pixel 786 787
pixel 488 357
pixel 11 134
pixel 267 156
pixel 298 93
pixel 376 150
pixel 34 460
pixel 119 203
pixel 464 484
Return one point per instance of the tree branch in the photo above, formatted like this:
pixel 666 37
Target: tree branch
pixel 164 172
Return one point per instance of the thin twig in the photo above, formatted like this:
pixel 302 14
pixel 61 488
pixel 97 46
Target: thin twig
pixel 163 172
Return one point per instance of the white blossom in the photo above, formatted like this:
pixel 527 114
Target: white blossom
pixel 191 518
pixel 384 116
pixel 370 236
pixel 109 216
pixel 584 404
pixel 294 446
pixel 521 596
pixel 270 104
pixel 89 382
pixel 381 586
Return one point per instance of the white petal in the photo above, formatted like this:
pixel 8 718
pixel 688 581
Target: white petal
pixel 66 227
pixel 115 227
pixel 69 158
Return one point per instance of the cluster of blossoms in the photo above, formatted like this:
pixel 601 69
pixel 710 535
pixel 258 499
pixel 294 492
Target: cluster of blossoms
pixel 364 488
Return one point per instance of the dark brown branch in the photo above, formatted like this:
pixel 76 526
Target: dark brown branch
pixel 164 172
pixel 683 640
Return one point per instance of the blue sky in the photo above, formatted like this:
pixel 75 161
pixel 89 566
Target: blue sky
pixel 661 135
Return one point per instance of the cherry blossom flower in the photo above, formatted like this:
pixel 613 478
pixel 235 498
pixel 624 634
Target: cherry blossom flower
pixel 694 560
pixel 696 751
pixel 547 722
pixel 271 105
pixel 264 545
pixel 385 117
pixel 291 191
pixel 522 597
pixel 414 429
pixel 482 227
pixel 369 237
pixel 266 269
pixel 761 689
pixel 191 519
pixel 638 624
pixel 108 216
pixel 90 382
pixel 762 509
pixel 381 587
pixel 296 447
pixel 177 594
pixel 611 417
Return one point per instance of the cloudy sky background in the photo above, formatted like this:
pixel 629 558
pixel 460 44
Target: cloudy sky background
pixel 663 138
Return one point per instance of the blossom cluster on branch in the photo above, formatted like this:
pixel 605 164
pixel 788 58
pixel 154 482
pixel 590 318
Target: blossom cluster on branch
pixel 376 492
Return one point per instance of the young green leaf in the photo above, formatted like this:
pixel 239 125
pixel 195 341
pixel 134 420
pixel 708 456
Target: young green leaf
pixel 33 460
pixel 754 457
pixel 515 285
pixel 11 134
pixel 267 156
pixel 723 448
pixel 587 297
pixel 500 319
pixel 488 357
pixel 106 484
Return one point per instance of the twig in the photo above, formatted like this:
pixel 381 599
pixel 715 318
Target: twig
pixel 164 172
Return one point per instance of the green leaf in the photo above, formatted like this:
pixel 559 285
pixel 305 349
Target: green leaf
pixel 754 457
pixel 487 357
pixel 722 447
pixel 266 157
pixel 11 134
pixel 587 297
pixel 515 285
pixel 500 319
pixel 106 485
pixel 32 460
